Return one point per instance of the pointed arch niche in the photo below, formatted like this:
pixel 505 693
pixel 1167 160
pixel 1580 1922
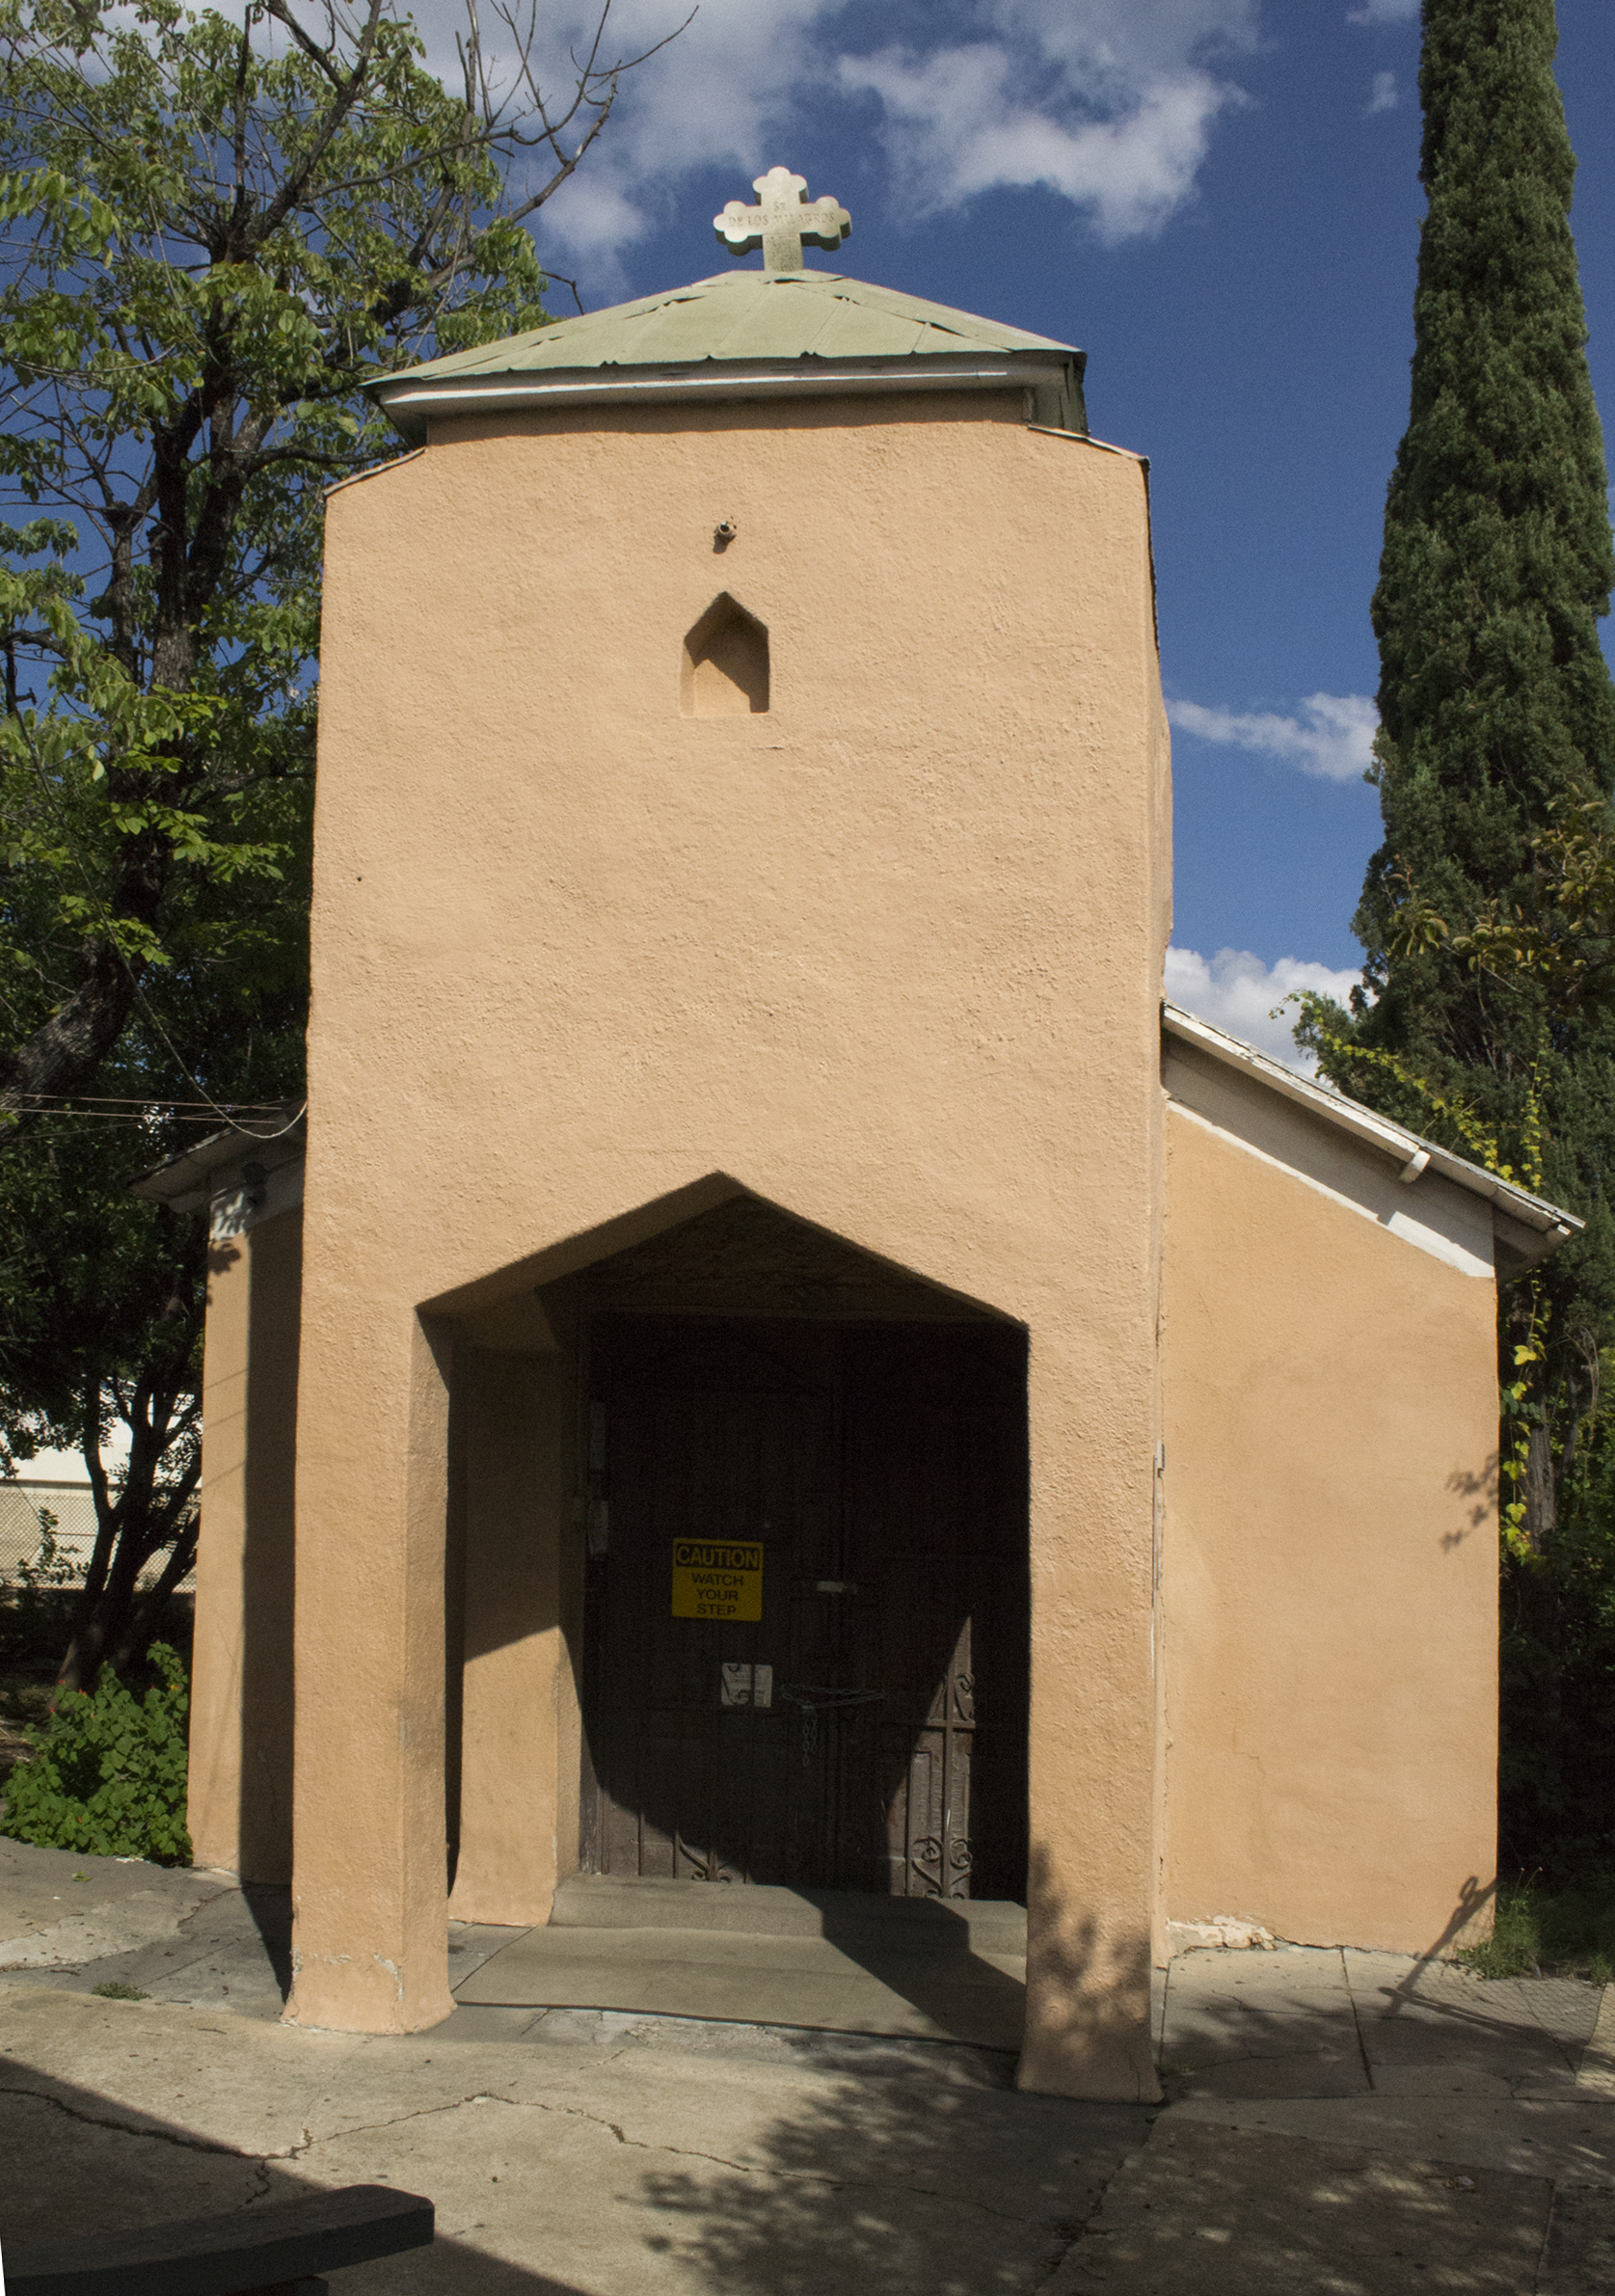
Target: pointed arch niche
pixel 726 669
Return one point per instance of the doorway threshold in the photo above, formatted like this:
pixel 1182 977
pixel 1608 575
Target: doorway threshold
pixel 817 1961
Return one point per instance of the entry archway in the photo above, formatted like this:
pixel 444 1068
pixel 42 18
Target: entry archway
pixel 805 1625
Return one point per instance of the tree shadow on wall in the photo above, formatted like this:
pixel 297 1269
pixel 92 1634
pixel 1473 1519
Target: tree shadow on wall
pixel 1093 2028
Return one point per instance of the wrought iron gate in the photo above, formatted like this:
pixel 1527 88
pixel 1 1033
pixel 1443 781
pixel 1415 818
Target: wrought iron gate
pixel 852 1715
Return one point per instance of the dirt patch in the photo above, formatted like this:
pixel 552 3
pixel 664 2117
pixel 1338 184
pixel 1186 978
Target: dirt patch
pixel 24 1699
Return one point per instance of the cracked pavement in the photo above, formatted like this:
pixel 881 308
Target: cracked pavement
pixel 1339 2124
pixel 1322 2022
pixel 608 2167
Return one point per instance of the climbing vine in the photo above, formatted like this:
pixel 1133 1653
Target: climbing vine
pixel 1520 1409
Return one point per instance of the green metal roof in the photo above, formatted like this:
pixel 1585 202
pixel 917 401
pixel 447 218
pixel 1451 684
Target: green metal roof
pixel 743 314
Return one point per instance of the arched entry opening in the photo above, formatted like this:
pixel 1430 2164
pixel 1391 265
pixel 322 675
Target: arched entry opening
pixel 805 1616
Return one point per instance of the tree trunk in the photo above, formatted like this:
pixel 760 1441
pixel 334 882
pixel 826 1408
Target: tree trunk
pixel 145 1612
pixel 64 1052
pixel 1542 1504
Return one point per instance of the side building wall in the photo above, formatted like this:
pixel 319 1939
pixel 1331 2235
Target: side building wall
pixel 1329 1562
pixel 241 1687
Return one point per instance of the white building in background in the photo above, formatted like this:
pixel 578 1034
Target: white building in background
pixel 47 1515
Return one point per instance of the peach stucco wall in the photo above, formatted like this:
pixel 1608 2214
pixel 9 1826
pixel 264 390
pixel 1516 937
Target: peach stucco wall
pixel 887 955
pixel 1329 1558
pixel 511 1834
pixel 239 1796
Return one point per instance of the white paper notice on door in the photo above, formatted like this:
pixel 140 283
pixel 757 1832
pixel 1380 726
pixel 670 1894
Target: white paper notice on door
pixel 743 1684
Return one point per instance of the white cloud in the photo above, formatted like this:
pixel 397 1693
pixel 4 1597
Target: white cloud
pixel 1236 991
pixel 1385 11
pixel 1332 737
pixel 956 125
pixel 726 90
pixel 1110 103
pixel 1382 96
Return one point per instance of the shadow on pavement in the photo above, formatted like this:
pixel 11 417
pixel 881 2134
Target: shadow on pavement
pixel 1210 2211
pixel 1316 2022
pixel 67 2166
pixel 899 2186
pixel 921 1949
pixel 703 2186
pixel 270 1906
pixel 611 2167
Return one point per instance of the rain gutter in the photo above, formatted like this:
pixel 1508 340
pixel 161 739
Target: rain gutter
pixel 410 405
pixel 1414 1155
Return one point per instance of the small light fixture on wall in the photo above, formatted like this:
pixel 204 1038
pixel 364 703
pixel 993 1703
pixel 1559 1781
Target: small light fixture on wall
pixel 724 533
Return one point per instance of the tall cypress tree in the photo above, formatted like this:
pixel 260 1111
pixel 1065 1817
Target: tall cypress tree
pixel 1498 717
pixel 1496 706
pixel 1494 698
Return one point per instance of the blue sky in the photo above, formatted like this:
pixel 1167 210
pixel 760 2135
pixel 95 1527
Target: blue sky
pixel 1219 200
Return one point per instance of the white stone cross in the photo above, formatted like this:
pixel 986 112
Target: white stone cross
pixel 783 218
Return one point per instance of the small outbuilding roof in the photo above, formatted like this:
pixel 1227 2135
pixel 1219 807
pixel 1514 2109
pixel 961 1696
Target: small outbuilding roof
pixel 187 1181
pixel 1546 1225
pixel 749 334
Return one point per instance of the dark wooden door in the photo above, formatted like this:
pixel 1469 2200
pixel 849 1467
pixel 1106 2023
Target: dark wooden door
pixel 868 1731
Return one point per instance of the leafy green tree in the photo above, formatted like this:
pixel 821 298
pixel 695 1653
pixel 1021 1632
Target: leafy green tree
pixel 217 232
pixel 101 1340
pixel 214 233
pixel 1495 697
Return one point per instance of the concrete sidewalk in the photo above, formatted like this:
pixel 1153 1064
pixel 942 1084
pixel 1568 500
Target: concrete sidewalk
pixel 1315 2023
pixel 822 1960
pixel 1338 2125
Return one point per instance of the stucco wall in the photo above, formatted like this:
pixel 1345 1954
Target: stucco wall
pixel 239 1803
pixel 1330 1557
pixel 887 954
pixel 507 1805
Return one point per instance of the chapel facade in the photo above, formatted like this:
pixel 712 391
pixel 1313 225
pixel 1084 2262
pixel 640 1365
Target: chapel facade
pixel 781 1362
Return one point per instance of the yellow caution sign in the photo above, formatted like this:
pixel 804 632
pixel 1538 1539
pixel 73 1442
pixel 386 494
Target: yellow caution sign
pixel 717 1578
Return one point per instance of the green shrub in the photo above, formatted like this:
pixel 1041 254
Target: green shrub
pixel 107 1772
pixel 1561 1932
pixel 1515 1947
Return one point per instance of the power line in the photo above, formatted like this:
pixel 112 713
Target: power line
pixel 146 1101
pixel 158 1109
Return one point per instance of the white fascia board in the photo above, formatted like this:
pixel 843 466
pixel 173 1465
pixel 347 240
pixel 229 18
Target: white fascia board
pixel 1413 1154
pixel 190 1181
pixel 411 405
